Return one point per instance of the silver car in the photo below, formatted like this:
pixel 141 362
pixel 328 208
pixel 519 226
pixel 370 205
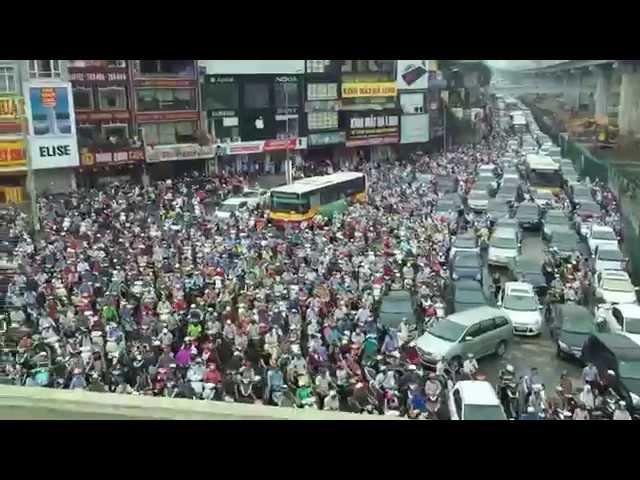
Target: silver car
pixel 481 331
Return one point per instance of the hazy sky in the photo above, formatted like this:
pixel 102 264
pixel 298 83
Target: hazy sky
pixel 518 64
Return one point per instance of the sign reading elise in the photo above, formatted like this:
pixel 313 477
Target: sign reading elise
pixel 55 150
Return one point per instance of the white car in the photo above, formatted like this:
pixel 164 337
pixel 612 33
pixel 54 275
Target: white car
pixel 475 400
pixel 256 197
pixel 601 236
pixel 615 287
pixel 504 246
pixel 543 198
pixel 624 319
pixel 231 205
pixel 478 200
pixel 609 258
pixel 520 304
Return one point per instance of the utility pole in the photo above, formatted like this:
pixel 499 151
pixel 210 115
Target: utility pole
pixel 31 183
pixel 288 173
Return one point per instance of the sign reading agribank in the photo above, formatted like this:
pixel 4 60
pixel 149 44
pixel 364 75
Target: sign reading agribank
pixel 52 129
pixel 367 89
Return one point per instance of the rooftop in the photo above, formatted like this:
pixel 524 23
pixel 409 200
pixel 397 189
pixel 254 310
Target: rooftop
pixel 478 392
pixel 312 183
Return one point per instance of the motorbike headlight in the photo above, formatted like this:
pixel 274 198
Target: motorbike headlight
pixel 563 346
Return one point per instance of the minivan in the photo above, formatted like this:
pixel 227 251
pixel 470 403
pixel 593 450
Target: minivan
pixel 481 331
pixel 504 246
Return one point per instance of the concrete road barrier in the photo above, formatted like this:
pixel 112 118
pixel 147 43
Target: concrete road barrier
pixel 44 403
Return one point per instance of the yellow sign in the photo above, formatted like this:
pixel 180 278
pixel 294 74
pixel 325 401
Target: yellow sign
pixel 10 107
pixel 380 89
pixel 12 154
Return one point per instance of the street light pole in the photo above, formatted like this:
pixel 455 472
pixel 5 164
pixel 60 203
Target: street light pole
pixel 287 161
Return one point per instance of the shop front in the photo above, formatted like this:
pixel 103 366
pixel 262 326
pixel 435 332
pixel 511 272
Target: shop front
pixel 171 161
pixel 13 154
pixel 99 168
pixel 372 136
pixel 263 157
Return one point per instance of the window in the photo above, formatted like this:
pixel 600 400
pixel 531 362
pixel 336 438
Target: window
pixel 180 68
pixel 501 322
pixel 288 127
pixel 82 98
pixel 87 134
pixel 169 133
pixel 287 94
pixel 221 96
pixel 318 66
pixel 116 132
pixel 7 79
pixel 44 68
pixel 166 99
pixel 112 98
pixel 116 63
pixel 487 326
pixel 322 120
pixel 226 128
pixel 473 331
pixel 618 317
pixel 368 66
pixel 322 91
pixel 256 95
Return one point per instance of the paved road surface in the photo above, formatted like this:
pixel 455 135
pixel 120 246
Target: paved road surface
pixel 527 352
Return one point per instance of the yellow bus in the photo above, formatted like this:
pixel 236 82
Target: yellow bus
pixel 324 195
pixel 544 174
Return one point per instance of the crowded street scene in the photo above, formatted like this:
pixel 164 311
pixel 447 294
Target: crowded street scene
pixel 485 280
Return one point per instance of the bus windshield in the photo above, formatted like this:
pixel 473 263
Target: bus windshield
pixel 545 178
pixel 288 204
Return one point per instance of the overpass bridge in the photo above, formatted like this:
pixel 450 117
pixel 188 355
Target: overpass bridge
pixel 608 88
pixel 33 403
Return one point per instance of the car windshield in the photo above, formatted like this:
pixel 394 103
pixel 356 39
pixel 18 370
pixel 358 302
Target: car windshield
pixel 503 242
pixel 228 207
pixel 618 286
pixel 556 220
pixel 483 412
pixel 588 208
pixel 603 235
pixel 467 261
pixel 447 330
pixel 465 242
pixel 610 255
pixel 478 195
pixel 528 209
pixel 564 239
pixel 632 325
pixel 520 303
pixel 577 325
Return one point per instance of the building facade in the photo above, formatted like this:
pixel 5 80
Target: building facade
pixel 166 107
pixel 13 133
pixel 109 143
pixel 255 112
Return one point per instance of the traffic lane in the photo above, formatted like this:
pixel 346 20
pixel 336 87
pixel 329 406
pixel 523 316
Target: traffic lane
pixel 527 352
